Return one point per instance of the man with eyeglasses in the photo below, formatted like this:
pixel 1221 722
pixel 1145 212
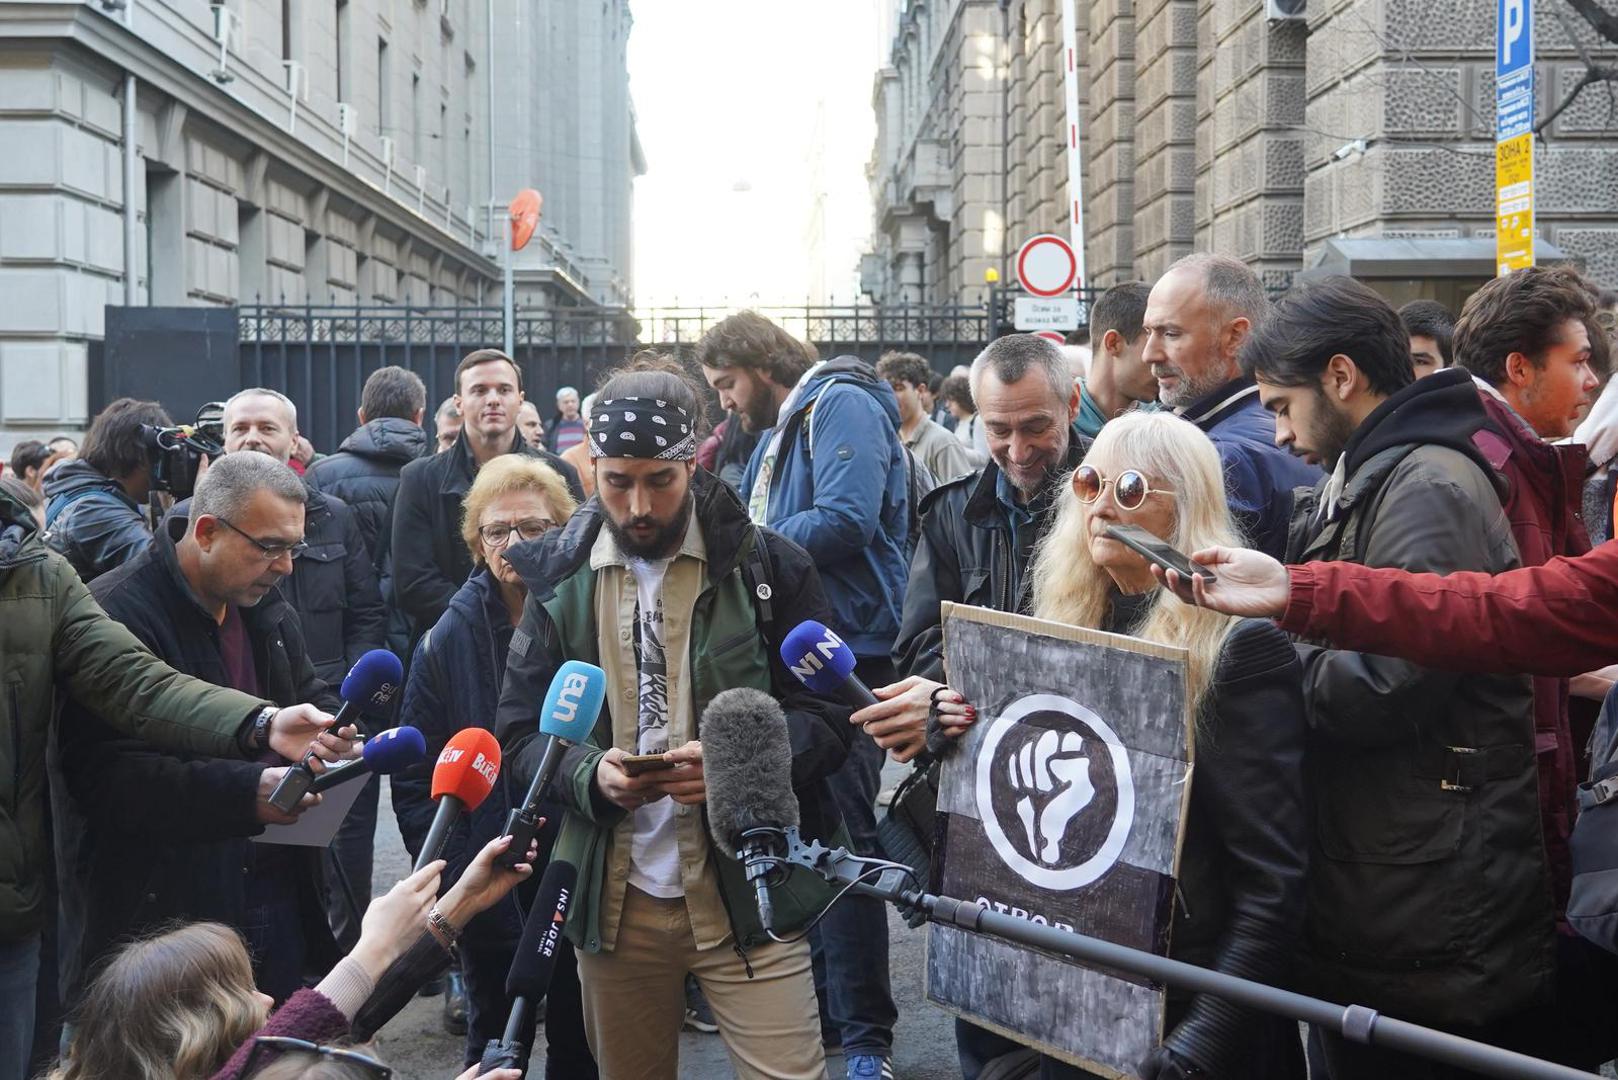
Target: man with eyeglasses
pixel 147 836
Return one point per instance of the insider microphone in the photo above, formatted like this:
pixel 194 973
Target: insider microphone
pixel 747 762
pixel 369 684
pixel 462 779
pixel 530 976
pixel 571 706
pixel 824 663
pixel 390 751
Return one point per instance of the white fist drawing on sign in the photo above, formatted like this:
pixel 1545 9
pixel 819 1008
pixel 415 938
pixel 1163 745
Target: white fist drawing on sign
pixel 1053 771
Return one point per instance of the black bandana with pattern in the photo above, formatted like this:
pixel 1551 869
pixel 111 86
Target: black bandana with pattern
pixel 635 427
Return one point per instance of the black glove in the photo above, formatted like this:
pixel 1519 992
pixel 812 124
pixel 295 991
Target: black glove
pixel 1164 1064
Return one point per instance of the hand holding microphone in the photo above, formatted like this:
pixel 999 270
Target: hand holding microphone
pixel 370 683
pixel 824 663
pixel 567 717
pixel 391 751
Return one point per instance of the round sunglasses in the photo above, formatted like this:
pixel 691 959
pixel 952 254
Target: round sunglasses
pixel 1129 488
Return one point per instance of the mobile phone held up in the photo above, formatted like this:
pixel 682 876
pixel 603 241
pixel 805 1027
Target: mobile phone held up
pixel 637 764
pixel 1156 550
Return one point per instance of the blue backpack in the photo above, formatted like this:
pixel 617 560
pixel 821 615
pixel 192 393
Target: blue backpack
pixel 1592 907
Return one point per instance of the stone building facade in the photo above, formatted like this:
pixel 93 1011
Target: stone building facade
pixel 1215 125
pixel 296 151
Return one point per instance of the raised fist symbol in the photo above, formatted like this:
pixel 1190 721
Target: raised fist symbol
pixel 1052 771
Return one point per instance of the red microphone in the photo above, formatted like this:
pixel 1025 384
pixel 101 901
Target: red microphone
pixel 462 779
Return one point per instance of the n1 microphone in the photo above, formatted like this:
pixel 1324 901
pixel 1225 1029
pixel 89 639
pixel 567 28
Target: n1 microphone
pixel 530 976
pixel 390 751
pixel 369 684
pixel 824 663
pixel 571 706
pixel 747 761
pixel 462 779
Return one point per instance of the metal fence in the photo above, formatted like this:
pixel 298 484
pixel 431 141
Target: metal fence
pixel 321 356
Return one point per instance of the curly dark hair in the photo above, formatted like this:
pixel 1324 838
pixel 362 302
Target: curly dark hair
pixel 958 389
pixel 1522 312
pixel 749 340
pixel 905 367
pixel 116 446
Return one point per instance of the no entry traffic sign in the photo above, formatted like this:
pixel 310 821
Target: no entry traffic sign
pixel 1046 266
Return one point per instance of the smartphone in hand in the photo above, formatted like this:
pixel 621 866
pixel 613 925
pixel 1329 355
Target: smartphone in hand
pixel 638 764
pixel 1156 550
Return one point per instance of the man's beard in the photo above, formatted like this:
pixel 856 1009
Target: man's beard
pixel 663 543
pixel 761 413
pixel 1332 432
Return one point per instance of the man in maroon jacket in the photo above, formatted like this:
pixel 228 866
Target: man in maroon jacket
pixel 1524 338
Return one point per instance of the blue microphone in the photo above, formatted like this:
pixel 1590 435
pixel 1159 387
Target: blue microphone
pixel 388 752
pixel 370 684
pixel 824 663
pixel 571 707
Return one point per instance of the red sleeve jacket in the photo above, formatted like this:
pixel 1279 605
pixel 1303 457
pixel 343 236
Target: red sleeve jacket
pixel 1557 619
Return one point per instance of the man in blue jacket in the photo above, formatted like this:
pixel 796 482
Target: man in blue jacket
pixel 1199 315
pixel 829 474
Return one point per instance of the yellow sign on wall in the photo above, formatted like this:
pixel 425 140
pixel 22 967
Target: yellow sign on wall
pixel 1514 203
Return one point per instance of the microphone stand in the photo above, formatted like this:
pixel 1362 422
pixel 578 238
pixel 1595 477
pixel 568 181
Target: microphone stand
pixel 895 883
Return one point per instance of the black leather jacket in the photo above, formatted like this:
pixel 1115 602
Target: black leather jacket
pixel 92 522
pixel 967 554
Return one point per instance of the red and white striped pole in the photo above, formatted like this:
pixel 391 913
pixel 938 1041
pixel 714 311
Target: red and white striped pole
pixel 1075 122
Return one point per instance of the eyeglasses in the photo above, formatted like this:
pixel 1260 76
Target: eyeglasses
pixel 283 1043
pixel 1129 488
pixel 498 533
pixel 271 552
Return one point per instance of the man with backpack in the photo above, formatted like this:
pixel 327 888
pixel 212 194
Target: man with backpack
pixel 831 475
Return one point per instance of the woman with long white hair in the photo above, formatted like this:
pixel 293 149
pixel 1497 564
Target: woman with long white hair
pixel 1239 902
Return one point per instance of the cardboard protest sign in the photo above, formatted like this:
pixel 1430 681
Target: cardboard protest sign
pixel 1064 804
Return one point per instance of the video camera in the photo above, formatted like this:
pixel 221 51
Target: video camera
pixel 176 452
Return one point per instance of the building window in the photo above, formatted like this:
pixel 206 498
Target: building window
pixel 384 99
pixel 342 49
pixel 416 126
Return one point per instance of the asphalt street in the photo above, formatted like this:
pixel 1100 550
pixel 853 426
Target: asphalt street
pixel 416 1045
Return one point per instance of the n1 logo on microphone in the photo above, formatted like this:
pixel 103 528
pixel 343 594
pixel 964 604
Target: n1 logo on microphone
pixel 384 694
pixel 814 661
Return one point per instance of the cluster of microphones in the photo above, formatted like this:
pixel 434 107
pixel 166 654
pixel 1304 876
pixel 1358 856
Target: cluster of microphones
pixel 747 761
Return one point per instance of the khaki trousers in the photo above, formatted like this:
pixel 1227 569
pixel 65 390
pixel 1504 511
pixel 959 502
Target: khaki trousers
pixel 634 999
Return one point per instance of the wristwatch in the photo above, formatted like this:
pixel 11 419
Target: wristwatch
pixel 261 727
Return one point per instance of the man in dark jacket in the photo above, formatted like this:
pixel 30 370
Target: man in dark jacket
pixel 364 472
pixel 1428 891
pixel 830 474
pixel 94 504
pixel 430 560
pixel 153 836
pixel 1198 316
pixel 52 634
pixel 978 535
pixel 672 554
pixel 333 589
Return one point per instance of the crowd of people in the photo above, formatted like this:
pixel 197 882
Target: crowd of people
pixel 1395 670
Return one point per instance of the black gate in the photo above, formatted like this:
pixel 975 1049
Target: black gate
pixel 321 356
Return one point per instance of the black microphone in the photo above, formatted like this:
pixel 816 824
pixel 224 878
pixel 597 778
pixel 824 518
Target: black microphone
pixel 369 684
pixel 571 707
pixel 824 663
pixel 747 761
pixel 530 976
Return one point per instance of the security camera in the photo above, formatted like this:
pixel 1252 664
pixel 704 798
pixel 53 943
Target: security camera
pixel 1349 149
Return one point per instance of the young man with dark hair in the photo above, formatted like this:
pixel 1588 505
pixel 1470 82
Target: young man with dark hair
pixel 829 474
pixel 1118 379
pixel 666 551
pixel 1198 316
pixel 939 451
pixel 1427 840
pixel 94 504
pixel 1432 329
pixel 430 560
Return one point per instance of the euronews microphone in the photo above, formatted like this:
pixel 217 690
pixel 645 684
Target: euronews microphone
pixel 390 751
pixel 462 779
pixel 747 762
pixel 370 683
pixel 571 706
pixel 824 663
pixel 530 976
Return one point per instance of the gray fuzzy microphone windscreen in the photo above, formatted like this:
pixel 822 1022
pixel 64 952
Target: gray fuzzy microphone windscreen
pixel 747 762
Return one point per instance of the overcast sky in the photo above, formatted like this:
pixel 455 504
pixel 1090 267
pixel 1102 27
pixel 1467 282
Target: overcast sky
pixel 727 93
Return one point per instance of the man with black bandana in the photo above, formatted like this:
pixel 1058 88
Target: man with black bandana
pixel 978 534
pixel 651 580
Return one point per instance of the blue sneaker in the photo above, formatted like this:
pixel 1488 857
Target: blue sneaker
pixel 869 1067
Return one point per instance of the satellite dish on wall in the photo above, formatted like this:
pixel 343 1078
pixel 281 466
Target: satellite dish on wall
pixel 524 211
